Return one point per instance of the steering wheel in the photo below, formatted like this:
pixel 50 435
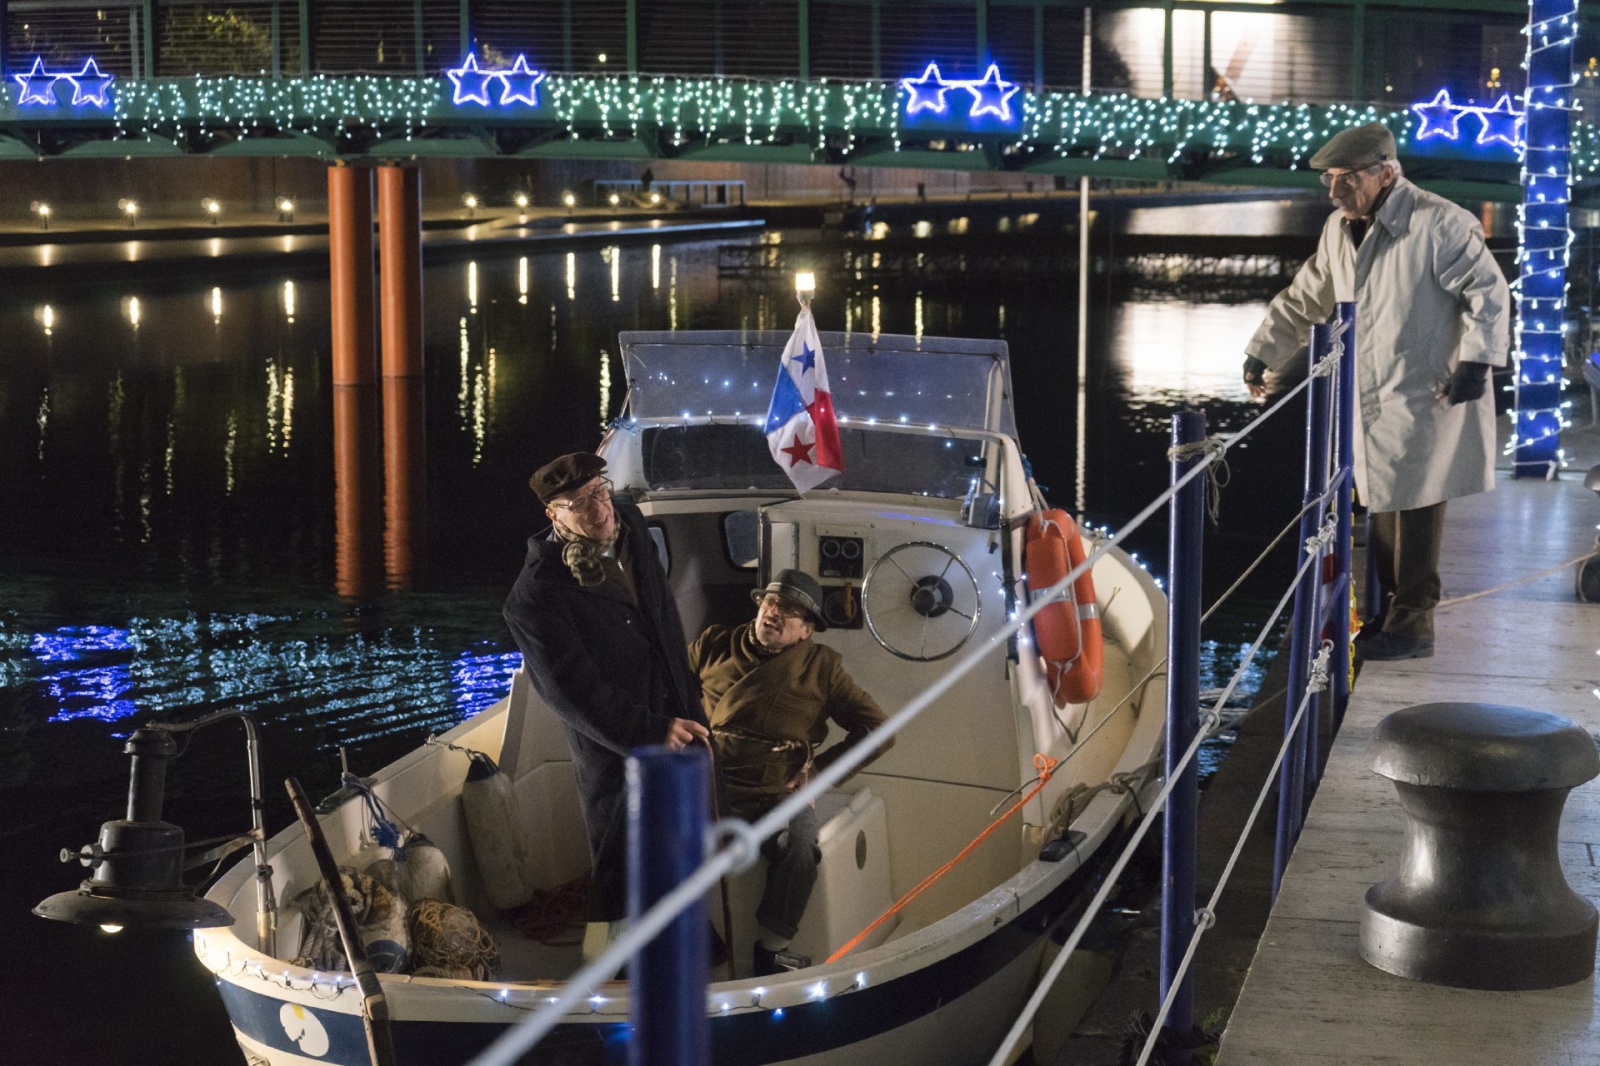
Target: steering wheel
pixel 921 601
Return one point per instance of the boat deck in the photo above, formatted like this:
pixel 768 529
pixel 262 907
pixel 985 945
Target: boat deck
pixel 1309 998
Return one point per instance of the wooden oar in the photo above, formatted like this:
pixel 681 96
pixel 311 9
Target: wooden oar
pixel 374 1007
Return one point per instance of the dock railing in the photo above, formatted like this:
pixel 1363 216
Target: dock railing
pixel 668 883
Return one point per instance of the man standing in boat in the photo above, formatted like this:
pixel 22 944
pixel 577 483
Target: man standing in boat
pixel 769 693
pixel 602 643
pixel 1432 311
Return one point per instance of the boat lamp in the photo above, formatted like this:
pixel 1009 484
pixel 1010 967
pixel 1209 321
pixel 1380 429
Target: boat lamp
pixel 137 864
pixel 805 285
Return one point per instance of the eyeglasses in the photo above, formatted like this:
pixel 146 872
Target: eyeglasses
pixel 1348 177
pixel 589 501
pixel 780 606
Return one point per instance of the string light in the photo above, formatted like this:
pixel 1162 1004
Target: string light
pixel 1544 240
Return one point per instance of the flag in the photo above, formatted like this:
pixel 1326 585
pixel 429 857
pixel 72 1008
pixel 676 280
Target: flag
pixel 801 432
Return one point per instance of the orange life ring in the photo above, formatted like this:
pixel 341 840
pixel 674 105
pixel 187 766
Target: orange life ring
pixel 1067 632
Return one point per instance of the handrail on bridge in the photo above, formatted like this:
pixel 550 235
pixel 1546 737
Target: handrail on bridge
pixel 669 998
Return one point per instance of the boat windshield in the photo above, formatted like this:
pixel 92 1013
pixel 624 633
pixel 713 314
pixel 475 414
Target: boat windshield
pixel 735 456
pixel 938 382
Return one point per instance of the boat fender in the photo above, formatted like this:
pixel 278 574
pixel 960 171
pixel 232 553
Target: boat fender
pixel 428 870
pixel 1067 631
pixel 494 826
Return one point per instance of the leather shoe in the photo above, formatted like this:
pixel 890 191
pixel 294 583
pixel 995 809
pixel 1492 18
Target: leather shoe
pixel 1387 647
pixel 768 962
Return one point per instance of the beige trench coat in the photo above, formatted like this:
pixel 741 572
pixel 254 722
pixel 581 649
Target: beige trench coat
pixel 1427 295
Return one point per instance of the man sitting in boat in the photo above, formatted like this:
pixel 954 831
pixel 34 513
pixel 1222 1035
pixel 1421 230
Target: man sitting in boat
pixel 602 643
pixel 769 693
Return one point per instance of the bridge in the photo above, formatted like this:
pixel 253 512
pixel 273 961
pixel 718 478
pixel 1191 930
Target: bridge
pixel 833 82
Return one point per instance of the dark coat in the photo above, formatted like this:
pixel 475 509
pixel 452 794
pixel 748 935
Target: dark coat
pixel 616 675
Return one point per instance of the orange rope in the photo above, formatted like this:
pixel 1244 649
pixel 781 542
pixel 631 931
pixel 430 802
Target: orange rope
pixel 1046 767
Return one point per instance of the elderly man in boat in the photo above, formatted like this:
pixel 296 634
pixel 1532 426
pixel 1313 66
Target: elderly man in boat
pixel 602 643
pixel 769 693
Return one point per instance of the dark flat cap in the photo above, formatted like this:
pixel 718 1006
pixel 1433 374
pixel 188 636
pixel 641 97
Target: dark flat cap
pixel 565 474
pixel 800 589
pixel 1356 147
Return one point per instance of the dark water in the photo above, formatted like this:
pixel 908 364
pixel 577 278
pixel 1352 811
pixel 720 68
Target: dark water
pixel 177 535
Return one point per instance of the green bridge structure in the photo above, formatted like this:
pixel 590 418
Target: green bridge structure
pixel 967 84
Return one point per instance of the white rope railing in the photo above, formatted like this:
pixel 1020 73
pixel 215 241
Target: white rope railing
pixel 1014 1036
pixel 738 843
pixel 1206 917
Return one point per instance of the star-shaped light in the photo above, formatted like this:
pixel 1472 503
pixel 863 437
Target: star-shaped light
pixel 992 95
pixel 807 358
pixel 520 83
pixel 798 452
pixel 1439 117
pixel 35 93
pixel 1500 122
pixel 89 86
pixel 471 82
pixel 927 92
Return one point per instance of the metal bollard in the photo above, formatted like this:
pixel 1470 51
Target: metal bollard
pixel 667 817
pixel 1479 899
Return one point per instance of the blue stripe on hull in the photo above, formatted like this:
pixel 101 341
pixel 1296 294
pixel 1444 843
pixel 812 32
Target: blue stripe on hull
pixel 750 1039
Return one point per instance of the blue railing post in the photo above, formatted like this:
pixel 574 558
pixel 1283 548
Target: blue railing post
pixel 1344 458
pixel 1306 624
pixel 1319 438
pixel 667 818
pixel 1186 528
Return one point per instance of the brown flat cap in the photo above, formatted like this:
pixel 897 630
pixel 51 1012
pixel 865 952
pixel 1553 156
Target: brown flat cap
pixel 1355 148
pixel 565 474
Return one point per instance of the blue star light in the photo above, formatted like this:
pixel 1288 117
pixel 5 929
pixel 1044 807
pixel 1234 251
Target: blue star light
pixel 471 82
pixel 34 93
pixel 1439 117
pixel 1500 123
pixel 521 83
pixel 992 94
pixel 927 92
pixel 89 86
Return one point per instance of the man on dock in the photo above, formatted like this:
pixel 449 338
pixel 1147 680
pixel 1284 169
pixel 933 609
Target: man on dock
pixel 1432 313
pixel 602 643
pixel 769 693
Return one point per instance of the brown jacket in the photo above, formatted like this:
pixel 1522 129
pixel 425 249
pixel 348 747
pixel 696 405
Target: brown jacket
pixel 769 712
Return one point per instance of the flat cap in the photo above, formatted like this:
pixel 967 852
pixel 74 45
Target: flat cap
pixel 1356 147
pixel 565 474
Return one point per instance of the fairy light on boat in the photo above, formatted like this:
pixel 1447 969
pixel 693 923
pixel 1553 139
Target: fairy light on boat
pixel 777 1014
pixel 861 981
pixel 818 990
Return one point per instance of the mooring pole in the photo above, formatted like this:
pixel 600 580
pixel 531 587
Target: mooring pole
pixel 1186 530
pixel 350 273
pixel 1303 627
pixel 667 817
pixel 1344 458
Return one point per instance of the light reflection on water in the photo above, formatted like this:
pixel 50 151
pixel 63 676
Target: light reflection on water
pixel 197 445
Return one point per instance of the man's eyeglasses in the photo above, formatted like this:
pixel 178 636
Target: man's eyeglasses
pixel 1348 177
pixel 779 605
pixel 588 501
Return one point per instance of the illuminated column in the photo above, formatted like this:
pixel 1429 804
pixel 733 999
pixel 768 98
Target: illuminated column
pixel 400 270
pixel 350 273
pixel 1544 238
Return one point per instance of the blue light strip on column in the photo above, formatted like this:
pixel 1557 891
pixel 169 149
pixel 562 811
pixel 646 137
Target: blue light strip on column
pixel 1544 238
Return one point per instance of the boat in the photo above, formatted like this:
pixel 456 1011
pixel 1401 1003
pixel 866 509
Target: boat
pixel 920 546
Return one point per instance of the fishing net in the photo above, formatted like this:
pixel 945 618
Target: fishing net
pixel 449 941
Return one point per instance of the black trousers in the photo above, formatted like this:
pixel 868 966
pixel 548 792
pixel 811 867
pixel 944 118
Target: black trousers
pixel 1405 550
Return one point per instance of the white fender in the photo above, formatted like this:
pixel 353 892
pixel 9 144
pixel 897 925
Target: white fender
pixel 494 825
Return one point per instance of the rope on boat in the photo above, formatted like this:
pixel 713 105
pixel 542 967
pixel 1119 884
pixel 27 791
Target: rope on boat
pixel 449 941
pixel 741 840
pixel 1206 917
pixel 1046 767
pixel 554 917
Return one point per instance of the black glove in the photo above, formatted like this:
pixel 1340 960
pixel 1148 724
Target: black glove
pixel 1467 382
pixel 1254 371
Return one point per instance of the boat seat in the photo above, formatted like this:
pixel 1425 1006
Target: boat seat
pixel 853 886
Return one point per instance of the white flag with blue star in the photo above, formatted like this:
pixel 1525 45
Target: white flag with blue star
pixel 801 431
